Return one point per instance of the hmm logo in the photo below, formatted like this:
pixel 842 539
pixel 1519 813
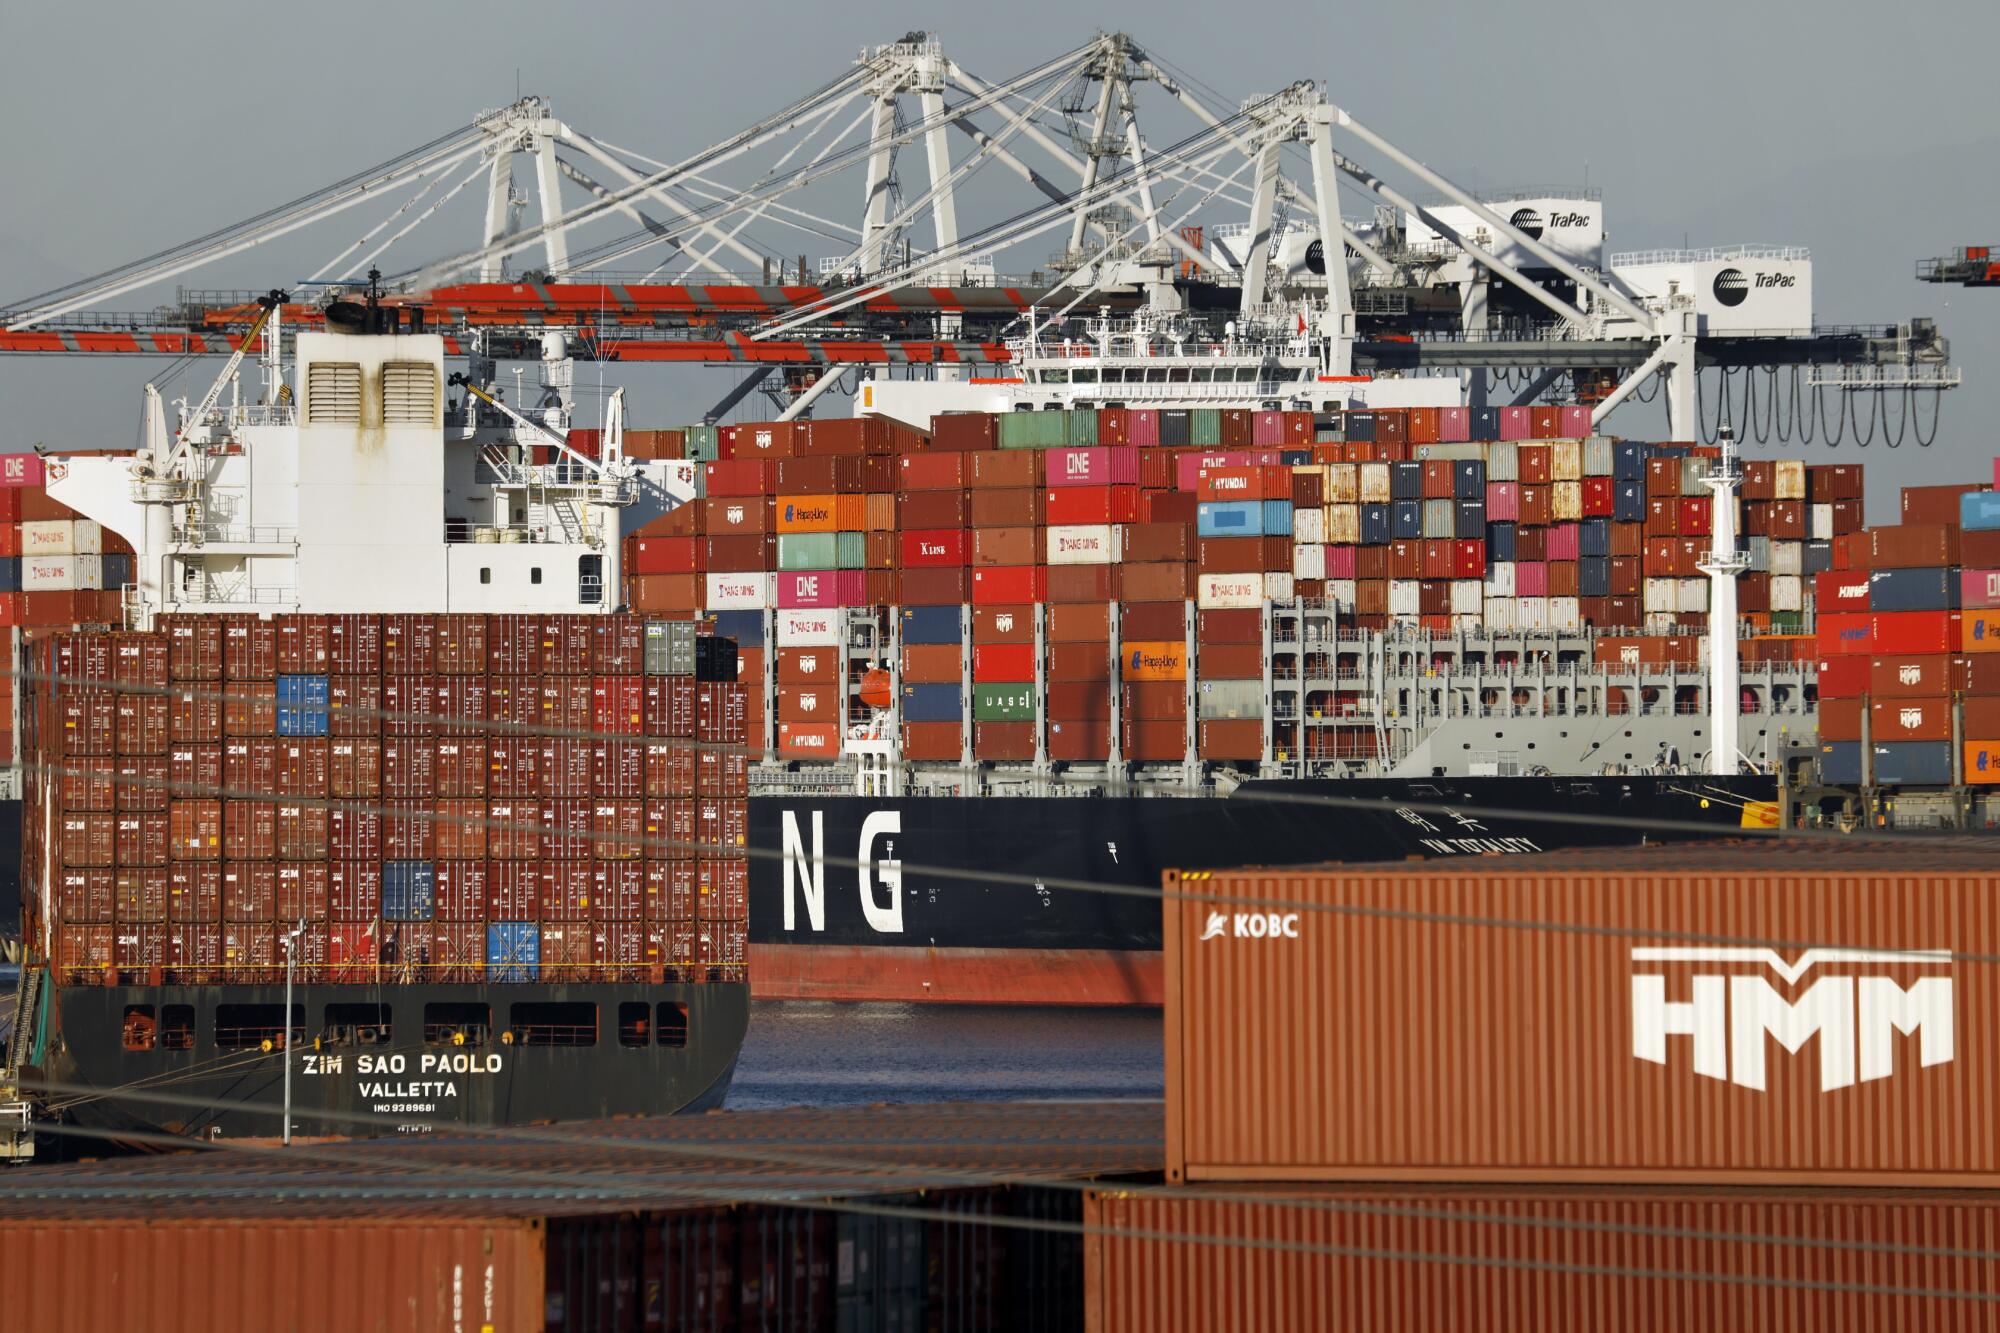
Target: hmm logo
pixel 1910 675
pixel 1730 1016
pixel 1911 718
pixel 1004 624
pixel 734 514
pixel 1252 926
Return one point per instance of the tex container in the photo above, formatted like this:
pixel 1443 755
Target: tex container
pixel 1630 1016
pixel 1553 1259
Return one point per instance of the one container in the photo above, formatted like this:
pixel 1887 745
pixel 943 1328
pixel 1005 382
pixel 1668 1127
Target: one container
pixel 1591 1016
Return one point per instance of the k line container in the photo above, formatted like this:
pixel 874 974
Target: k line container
pixel 1591 1016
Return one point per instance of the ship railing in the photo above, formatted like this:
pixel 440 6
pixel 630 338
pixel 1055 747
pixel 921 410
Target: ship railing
pixel 249 534
pixel 554 1034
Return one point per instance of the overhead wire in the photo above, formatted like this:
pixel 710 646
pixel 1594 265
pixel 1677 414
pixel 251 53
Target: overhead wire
pixel 433 1180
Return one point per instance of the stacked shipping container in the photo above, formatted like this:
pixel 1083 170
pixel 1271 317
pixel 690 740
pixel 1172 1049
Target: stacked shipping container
pixel 1909 646
pixel 451 798
pixel 1055 535
pixel 1519 1088
pixel 57 569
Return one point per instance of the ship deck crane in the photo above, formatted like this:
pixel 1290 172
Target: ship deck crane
pixel 1967 266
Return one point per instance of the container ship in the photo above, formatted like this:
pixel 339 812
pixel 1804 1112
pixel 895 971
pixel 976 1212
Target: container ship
pixel 389 845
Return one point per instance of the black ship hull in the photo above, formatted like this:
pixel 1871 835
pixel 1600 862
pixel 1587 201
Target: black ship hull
pixel 987 900
pixel 440 1056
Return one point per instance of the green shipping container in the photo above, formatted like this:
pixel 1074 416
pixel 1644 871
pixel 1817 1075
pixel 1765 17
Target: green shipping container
pixel 1205 428
pixel 806 550
pixel 1082 428
pixel 1034 430
pixel 850 550
pixel 703 444
pixel 1003 703
pixel 1788 622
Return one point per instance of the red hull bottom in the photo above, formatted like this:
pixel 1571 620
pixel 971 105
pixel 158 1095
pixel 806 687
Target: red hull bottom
pixel 956 976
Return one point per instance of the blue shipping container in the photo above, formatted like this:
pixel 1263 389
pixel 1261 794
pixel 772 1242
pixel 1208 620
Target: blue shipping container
pixel 1406 520
pixel 1499 541
pixel 10 574
pixel 1406 481
pixel 409 890
pixel 932 625
pixel 1979 511
pixel 302 705
pixel 1840 761
pixel 1628 502
pixel 1913 763
pixel 931 703
pixel 1593 538
pixel 1485 423
pixel 1818 557
pixel 117 568
pixel 1229 518
pixel 746 627
pixel 1913 590
pixel 1359 426
pixel 1295 457
pixel 1375 525
pixel 1277 518
pixel 1628 461
pixel 1469 520
pixel 1593 576
pixel 513 951
pixel 1468 479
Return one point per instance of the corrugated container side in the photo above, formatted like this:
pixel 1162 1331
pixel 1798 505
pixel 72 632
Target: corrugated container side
pixel 1559 1261
pixel 242 1277
pixel 1351 1040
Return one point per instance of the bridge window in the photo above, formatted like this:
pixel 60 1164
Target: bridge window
pixel 635 1024
pixel 673 1024
pixel 177 1027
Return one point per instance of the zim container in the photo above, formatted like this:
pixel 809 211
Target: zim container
pixel 1630 1016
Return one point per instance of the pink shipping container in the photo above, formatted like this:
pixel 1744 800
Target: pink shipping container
pixel 27 470
pixel 821 589
pixel 1454 425
pixel 1340 562
pixel 1142 427
pixel 1531 578
pixel 1267 430
pixel 1503 501
pixel 1517 423
pixel 1573 422
pixel 1091 467
pixel 1564 541
pixel 1187 467
pixel 1979 588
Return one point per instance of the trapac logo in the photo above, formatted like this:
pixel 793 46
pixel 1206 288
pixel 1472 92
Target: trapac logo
pixel 1252 926
pixel 1730 1015
pixel 1569 219
pixel 1316 257
pixel 1528 222
pixel 1731 287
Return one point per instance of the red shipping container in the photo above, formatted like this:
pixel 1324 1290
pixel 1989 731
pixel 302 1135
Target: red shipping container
pixel 194 715
pixel 1840 591
pixel 1083 583
pixel 939 471
pixel 355 833
pixel 249 891
pixel 409 645
pixel 300 831
pixel 139 895
pixel 1909 719
pixel 1910 632
pixel 742 476
pixel 936 547
pixel 462 890
pixel 195 830
pixel 1002 663
pixel 194 892
pixel 566 830
pixel 354 890
pixel 1073 505
pixel 249 830
pixel 1843 677
pixel 670 768
pixel 249 648
pixel 566 891
pixel 1009 585
pixel 516 890
pixel 353 952
pixel 1840 634
pixel 303 891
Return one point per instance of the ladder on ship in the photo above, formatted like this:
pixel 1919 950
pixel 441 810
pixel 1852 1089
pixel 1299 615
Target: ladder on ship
pixel 17 1121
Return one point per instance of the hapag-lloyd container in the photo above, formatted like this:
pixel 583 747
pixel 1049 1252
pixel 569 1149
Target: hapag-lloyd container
pixel 1609 1016
pixel 821 588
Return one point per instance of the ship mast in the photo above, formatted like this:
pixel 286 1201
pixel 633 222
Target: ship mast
pixel 1722 564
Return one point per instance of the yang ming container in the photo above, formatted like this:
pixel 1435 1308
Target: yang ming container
pixel 1608 1016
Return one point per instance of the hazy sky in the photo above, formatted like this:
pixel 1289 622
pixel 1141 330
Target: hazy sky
pixel 1872 137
